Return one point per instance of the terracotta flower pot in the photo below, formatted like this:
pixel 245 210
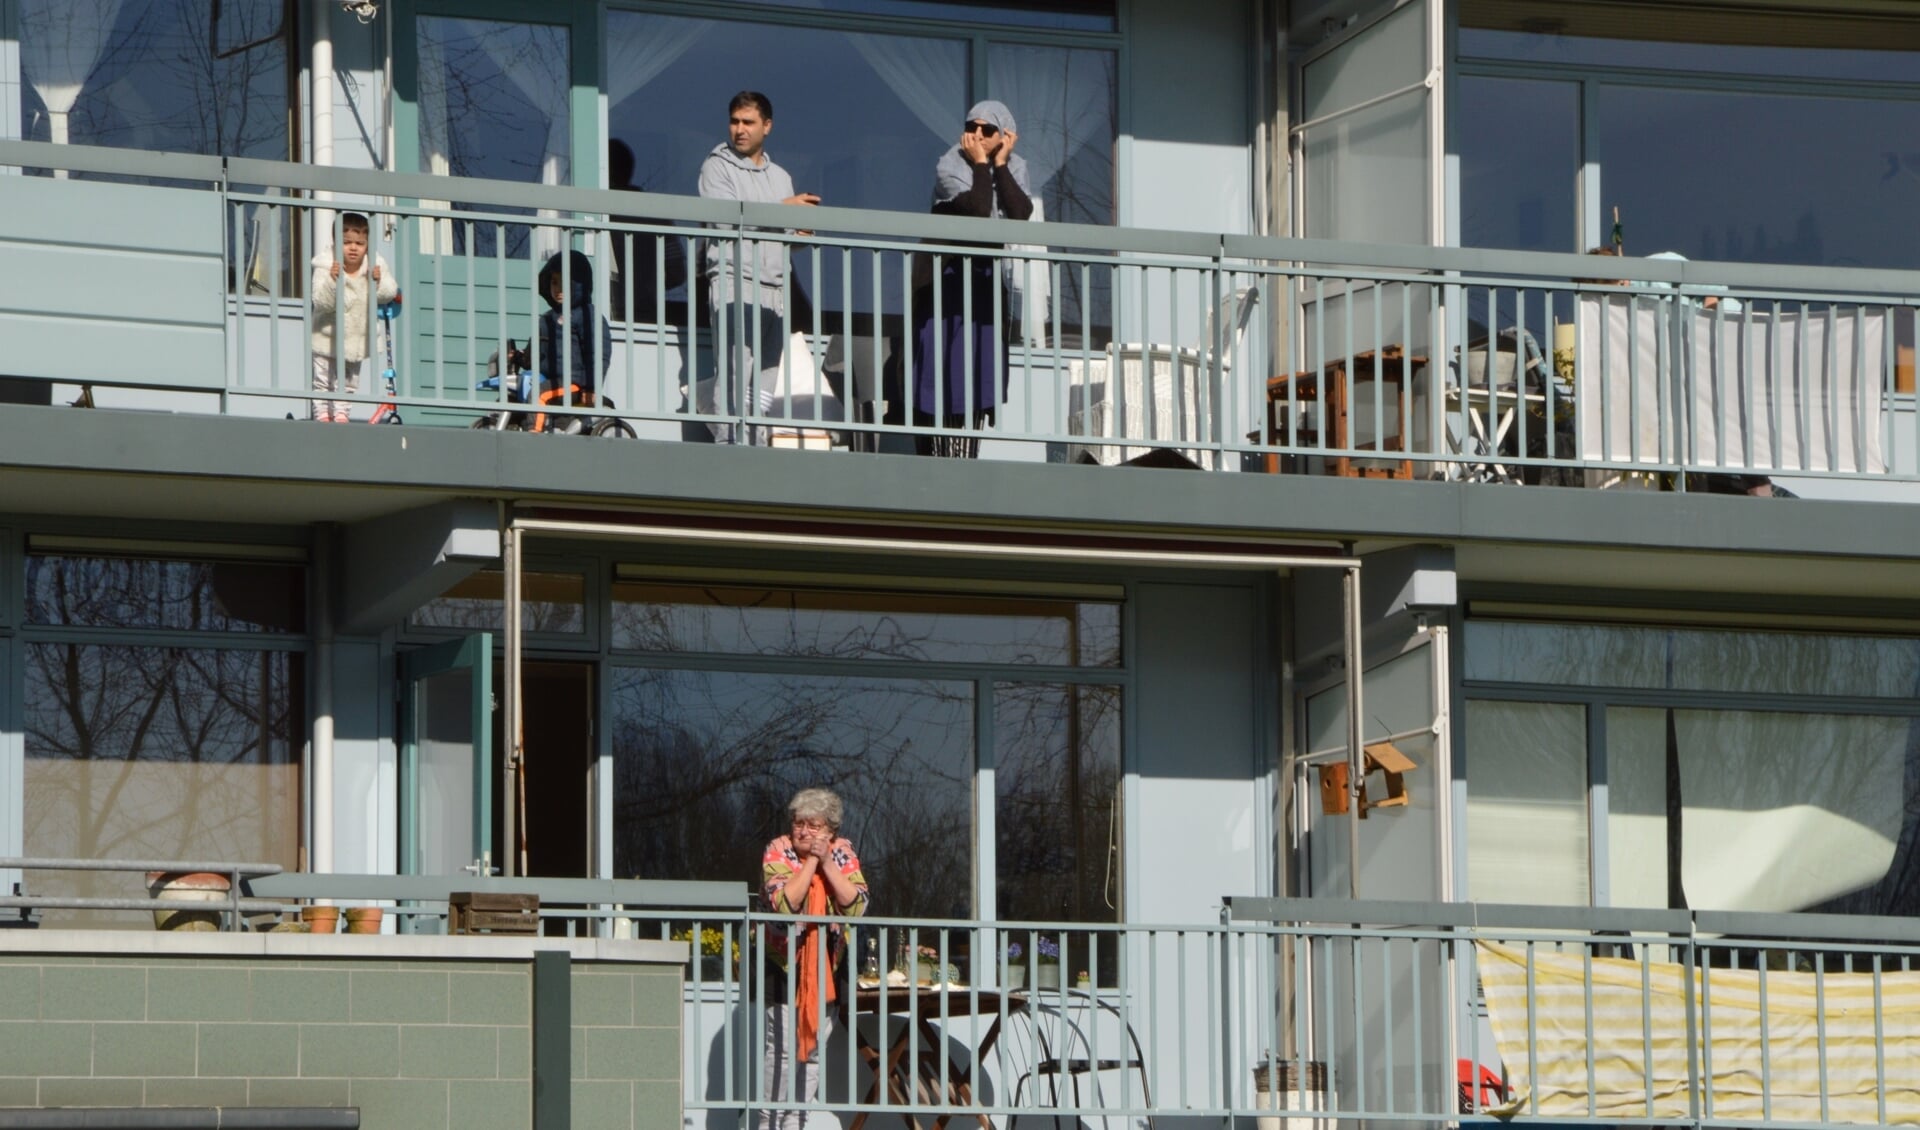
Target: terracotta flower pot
pixel 320 919
pixel 363 920
pixel 190 886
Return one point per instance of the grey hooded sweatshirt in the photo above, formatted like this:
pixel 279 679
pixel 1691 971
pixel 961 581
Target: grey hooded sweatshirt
pixel 725 175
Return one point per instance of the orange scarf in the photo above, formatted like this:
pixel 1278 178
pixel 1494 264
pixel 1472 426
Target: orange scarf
pixel 813 995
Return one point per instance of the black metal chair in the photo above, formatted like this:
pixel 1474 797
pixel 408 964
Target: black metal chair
pixel 1052 1067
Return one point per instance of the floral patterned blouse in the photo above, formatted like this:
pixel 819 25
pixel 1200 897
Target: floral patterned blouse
pixel 777 865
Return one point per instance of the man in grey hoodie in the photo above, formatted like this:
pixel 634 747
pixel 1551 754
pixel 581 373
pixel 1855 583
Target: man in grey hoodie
pixel 745 282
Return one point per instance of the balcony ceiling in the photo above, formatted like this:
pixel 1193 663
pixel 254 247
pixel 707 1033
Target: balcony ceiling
pixel 133 466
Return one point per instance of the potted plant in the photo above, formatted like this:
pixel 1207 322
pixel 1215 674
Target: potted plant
pixel 1016 966
pixel 363 919
pixel 320 919
pixel 712 952
pixel 1046 957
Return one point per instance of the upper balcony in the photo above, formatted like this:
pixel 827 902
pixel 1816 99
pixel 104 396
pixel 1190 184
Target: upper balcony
pixel 190 292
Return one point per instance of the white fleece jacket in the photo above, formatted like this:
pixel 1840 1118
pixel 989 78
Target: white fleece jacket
pixel 326 298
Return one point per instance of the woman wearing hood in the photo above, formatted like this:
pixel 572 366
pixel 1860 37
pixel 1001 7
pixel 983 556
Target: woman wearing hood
pixel 959 352
pixel 567 347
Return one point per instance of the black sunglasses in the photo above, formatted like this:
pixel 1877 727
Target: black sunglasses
pixel 982 128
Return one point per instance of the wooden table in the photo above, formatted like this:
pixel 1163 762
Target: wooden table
pixel 924 1005
pixel 1387 370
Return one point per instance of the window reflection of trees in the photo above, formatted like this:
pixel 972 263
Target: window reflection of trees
pixel 551 603
pixel 1057 777
pixel 493 102
pixel 159 752
pixel 705 762
pixel 174 75
pixel 126 592
pixel 828 624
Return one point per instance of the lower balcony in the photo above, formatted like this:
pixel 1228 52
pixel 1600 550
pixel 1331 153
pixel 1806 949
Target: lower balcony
pixel 1305 1011
pixel 874 331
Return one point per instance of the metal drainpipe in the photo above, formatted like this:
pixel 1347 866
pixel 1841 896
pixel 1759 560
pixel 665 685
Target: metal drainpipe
pixel 321 834
pixel 1356 758
pixel 321 83
pixel 511 719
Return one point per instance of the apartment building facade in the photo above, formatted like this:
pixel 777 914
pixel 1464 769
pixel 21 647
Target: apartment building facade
pixel 1096 677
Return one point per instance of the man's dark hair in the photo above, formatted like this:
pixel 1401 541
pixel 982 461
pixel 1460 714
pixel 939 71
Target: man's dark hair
pixel 354 220
pixel 754 99
pixel 619 164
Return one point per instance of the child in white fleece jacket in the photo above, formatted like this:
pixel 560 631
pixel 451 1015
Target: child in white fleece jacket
pixel 340 295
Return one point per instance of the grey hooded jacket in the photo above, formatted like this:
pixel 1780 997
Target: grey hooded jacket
pixel 725 175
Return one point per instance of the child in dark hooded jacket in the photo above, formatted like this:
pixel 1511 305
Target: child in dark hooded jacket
pixel 567 346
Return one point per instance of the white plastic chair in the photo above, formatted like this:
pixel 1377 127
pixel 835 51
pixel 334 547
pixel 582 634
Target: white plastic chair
pixel 1108 397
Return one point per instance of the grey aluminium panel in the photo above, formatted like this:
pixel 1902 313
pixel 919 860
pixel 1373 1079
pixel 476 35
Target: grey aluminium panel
pixel 115 284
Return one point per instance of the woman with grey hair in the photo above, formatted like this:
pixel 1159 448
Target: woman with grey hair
pixel 810 871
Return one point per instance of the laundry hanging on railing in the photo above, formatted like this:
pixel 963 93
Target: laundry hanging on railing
pixel 1762 1053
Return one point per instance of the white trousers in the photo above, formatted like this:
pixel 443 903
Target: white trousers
pixel 333 411
pixel 784 1080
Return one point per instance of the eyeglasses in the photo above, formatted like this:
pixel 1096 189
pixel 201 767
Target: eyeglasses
pixel 982 128
pixel 812 826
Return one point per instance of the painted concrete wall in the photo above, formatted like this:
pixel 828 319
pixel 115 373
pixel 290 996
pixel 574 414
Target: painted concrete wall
pixel 417 1033
pixel 1188 163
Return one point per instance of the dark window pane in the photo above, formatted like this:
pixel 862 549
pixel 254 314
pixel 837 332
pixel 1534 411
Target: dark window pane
pixel 1056 813
pixel 549 602
pixel 1699 659
pixel 871 137
pixel 1070 15
pixel 159 753
pixel 706 761
pixel 1761 177
pixel 1810 45
pixel 176 75
pixel 132 592
pixel 1519 146
pixel 494 102
pixel 864 625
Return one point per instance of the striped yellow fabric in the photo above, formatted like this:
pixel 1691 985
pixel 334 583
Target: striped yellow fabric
pixel 1756 1065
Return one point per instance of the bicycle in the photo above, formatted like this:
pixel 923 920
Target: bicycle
pixel 526 388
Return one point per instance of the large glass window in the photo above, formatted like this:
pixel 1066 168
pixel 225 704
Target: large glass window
pixel 1057 802
pixel 550 602
pixel 159 753
pixel 865 624
pixel 1764 771
pixel 708 752
pixel 1522 205
pixel 147 593
pixel 1721 135
pixel 705 762
pixel 871 137
pixel 494 102
pixel 182 76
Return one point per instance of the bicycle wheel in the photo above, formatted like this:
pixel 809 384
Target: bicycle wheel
pixel 614 428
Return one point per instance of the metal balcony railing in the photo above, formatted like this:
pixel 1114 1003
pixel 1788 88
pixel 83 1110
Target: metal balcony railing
pixel 1324 1011
pixel 1103 344
pixel 1334 1013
